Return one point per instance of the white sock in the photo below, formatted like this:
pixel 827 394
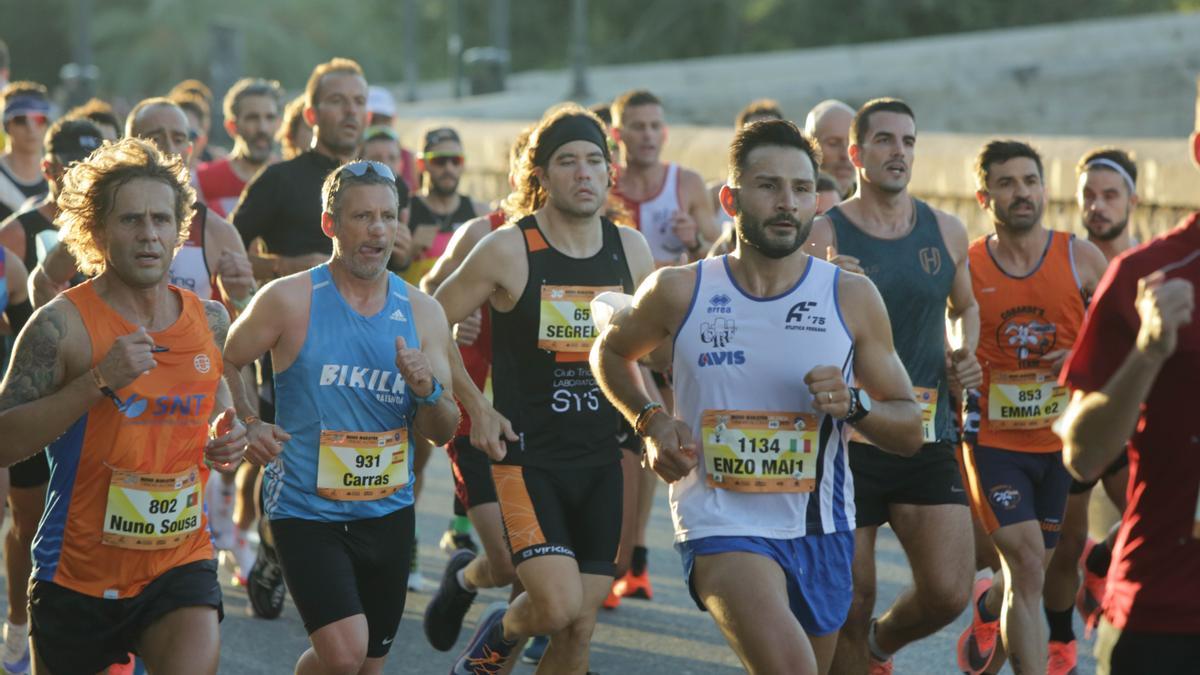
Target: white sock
pixel 876 652
pixel 467 586
pixel 16 640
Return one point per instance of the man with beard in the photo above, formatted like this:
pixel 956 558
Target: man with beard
pixel 559 483
pixel 1031 285
pixel 1107 197
pixel 360 360
pixel 917 257
pixel 755 450
pixel 829 123
pixel 252 116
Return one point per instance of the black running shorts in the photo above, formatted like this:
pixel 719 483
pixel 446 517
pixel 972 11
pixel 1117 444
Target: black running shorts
pixel 928 478
pixel 472 471
pixel 338 570
pixel 30 472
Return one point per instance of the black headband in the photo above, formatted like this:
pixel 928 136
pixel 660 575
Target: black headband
pixel 567 129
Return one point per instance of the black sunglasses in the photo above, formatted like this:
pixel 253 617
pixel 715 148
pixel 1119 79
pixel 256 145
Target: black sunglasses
pixel 361 167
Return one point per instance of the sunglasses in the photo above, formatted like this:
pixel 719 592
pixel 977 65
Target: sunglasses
pixel 440 160
pixel 362 167
pixel 30 119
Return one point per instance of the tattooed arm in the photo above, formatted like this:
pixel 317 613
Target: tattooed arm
pixel 218 322
pixel 48 386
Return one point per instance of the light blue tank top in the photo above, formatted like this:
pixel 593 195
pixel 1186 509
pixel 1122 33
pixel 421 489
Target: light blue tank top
pixel 344 379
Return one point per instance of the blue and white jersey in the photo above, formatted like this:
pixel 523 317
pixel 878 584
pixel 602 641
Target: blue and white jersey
pixel 770 465
pixel 348 411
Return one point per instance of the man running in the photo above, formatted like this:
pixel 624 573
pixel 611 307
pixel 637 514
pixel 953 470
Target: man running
pixel 26 107
pixel 917 257
pixel 360 360
pixel 755 452
pixel 252 115
pixel 1134 371
pixel 829 122
pixel 438 209
pixel 559 485
pixel 1031 284
pixel 121 378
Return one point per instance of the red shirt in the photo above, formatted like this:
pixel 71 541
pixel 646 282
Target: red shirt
pixel 477 356
pixel 220 187
pixel 1154 580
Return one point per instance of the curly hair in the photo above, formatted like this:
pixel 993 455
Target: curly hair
pixel 293 118
pixel 90 188
pixel 528 195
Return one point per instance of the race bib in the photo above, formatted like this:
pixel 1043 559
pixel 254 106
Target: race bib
pixel 927 400
pixel 360 465
pixel 152 511
pixel 566 318
pixel 755 451
pixel 1024 399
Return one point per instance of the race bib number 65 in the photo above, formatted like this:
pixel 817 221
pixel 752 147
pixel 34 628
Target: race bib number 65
pixel 565 323
pixel 759 451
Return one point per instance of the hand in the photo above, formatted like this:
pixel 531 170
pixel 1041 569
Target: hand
pixel 129 357
pixel 685 229
pixel 402 246
pixel 670 449
pixel 226 442
pixel 414 368
pixel 43 289
pixel 829 390
pixel 489 431
pixel 846 262
pixel 236 276
pixel 1055 360
pixel 1163 307
pixel 466 332
pixel 965 371
pixel 264 442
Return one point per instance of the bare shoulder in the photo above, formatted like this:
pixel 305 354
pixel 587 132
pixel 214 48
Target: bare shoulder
pixel 471 232
pixel 954 233
pixel 671 286
pixel 52 347
pixel 506 240
pixel 1089 262
pixel 691 181
pixel 284 294
pixel 819 237
pixel 860 303
pixel 218 320
pixel 425 309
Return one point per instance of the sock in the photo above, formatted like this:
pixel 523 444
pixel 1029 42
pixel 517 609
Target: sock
pixel 984 614
pixel 1099 559
pixel 638 565
pixel 1060 624
pixel 463 583
pixel 877 652
pixel 461 525
pixel 16 640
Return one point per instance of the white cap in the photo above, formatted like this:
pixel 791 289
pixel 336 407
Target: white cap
pixel 380 102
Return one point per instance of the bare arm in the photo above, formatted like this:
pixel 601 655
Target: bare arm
pixel 255 332
pixel 17 277
pixel 962 311
pixel 699 207
pixel 223 245
pixel 461 243
pixel 1090 264
pixel 436 422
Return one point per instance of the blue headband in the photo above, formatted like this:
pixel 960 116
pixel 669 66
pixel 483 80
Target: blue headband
pixel 16 106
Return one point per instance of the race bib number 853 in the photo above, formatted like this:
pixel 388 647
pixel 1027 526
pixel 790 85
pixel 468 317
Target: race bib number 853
pixel 1024 399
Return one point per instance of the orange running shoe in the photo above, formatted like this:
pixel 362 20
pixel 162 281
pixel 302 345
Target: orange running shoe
pixel 613 600
pixel 1062 658
pixel 879 667
pixel 1091 592
pixel 977 644
pixel 631 586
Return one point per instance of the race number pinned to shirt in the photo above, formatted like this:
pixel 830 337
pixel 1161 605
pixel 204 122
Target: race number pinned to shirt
pixel 361 465
pixel 927 400
pixel 757 451
pixel 152 511
pixel 566 318
pixel 1024 399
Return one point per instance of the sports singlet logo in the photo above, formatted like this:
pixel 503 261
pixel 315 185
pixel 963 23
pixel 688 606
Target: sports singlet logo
pixel 386 385
pixel 718 333
pixel 931 260
pixel 183 406
pixel 723 358
pixel 719 304
pixel 803 316
pixel 1025 334
pixel 660 221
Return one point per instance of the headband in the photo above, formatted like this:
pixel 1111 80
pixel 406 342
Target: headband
pixel 1109 164
pixel 24 105
pixel 567 129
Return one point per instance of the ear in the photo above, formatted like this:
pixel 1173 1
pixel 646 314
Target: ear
pixel 855 155
pixel 540 174
pixel 1196 147
pixel 231 128
pixel 982 197
pixel 327 224
pixel 727 200
pixel 310 116
pixel 1133 200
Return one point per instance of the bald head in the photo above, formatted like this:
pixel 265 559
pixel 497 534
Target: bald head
pixel 829 122
pixel 165 124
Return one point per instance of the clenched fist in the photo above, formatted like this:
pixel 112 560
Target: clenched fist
pixel 130 357
pixel 414 368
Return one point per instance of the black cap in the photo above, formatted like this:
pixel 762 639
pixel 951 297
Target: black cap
pixel 72 140
pixel 440 135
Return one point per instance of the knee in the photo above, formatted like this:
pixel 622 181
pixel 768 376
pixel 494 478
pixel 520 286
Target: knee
pixel 1069 548
pixel 944 603
pixel 554 614
pixel 1027 574
pixel 862 604
pixel 343 659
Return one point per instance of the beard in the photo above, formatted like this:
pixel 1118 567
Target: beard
pixel 753 233
pixel 1102 233
pixel 1022 222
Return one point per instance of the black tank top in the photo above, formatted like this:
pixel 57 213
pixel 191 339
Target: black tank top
pixel 540 374
pixel 419 214
pixel 33 222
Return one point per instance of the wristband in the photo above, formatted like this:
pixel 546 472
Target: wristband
pixel 250 420
pixel 103 386
pixel 433 396
pixel 643 417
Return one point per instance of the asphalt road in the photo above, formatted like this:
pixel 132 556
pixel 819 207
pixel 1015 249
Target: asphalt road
pixel 666 635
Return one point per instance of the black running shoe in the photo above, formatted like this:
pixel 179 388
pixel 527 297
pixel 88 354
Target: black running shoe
pixel 444 613
pixel 264 585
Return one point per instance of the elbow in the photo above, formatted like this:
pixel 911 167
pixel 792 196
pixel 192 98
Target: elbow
pixel 1076 461
pixel 912 440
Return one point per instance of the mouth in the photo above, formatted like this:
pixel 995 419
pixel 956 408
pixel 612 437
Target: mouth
pixel 371 250
pixel 786 225
pixel 895 169
pixel 147 258
pixel 584 192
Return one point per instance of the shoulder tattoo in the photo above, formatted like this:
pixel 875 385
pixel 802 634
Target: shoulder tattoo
pixel 35 368
pixel 218 321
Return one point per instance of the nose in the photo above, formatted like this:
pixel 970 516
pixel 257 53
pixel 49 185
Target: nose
pixel 789 201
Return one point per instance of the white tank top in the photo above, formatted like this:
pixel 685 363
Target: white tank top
pixel 189 269
pixel 770 466
pixel 654 218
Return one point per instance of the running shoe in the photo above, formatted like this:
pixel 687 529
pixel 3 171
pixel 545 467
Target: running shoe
pixel 488 650
pixel 613 600
pixel 977 644
pixel 264 584
pixel 634 586
pixel 456 541
pixel 444 613
pixel 1062 658
pixel 537 647
pixel 16 649
pixel 1091 592
pixel 879 667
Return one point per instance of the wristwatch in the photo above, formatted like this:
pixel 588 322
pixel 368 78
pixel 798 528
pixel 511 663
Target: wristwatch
pixel 433 396
pixel 860 406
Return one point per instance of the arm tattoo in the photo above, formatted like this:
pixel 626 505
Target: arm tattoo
pixel 35 370
pixel 218 322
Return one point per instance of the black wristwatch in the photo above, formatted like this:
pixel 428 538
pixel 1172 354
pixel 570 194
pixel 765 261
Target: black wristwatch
pixel 860 406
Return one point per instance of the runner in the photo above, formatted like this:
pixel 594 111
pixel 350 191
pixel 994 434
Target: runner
pixel 196 100
pixel 559 485
pixel 295 133
pixel 829 122
pixel 101 114
pixel 1133 371
pixel 26 115
pixel 763 504
pixel 1031 285
pixel 755 111
pixel 917 257
pixel 360 358
pixel 381 112
pixel 121 378
pixel 252 109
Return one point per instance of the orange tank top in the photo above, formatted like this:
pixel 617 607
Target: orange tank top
pixel 125 499
pixel 1021 320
